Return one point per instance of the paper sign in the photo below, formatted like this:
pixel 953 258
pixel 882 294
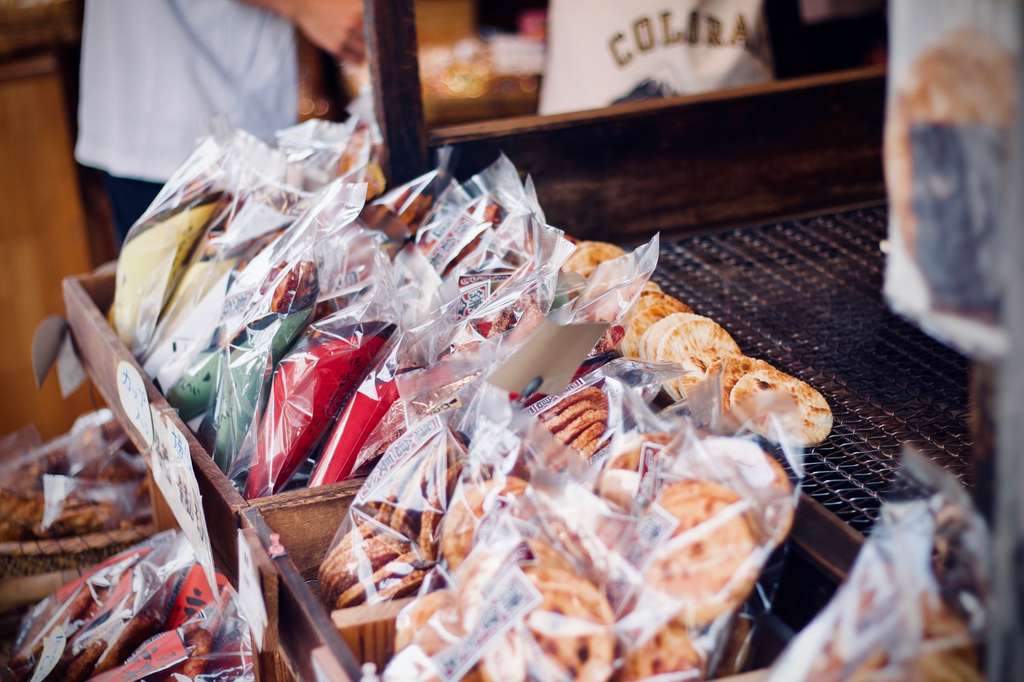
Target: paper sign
pixel 250 591
pixel 173 473
pixel 134 401
pixel 553 353
pixel 53 649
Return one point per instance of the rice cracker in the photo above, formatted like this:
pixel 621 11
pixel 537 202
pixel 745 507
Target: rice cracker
pixel 649 308
pixel 588 255
pixel 803 413
pixel 691 341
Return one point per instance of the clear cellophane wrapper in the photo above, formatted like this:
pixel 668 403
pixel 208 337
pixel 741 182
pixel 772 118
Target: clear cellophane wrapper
pixel 520 270
pixel 544 579
pixel 82 482
pixel 914 606
pixel 93 623
pixel 387 541
pixel 315 381
pixel 271 189
pixel 274 299
pixel 263 204
pixel 162 239
pixel 951 112
pixel 609 293
pixel 213 645
pixel 401 211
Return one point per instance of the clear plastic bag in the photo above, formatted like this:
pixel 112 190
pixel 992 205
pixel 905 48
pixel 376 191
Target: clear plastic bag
pixel 914 606
pixel 313 381
pixel 160 242
pixel 79 483
pixel 545 579
pixel 212 646
pixel 91 624
pixel 950 116
pixel 400 212
pixel 387 542
pixel 273 299
pixel 263 204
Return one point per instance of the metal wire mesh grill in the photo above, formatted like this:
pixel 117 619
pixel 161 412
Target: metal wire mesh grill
pixel 806 296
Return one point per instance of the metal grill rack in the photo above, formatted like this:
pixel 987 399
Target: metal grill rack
pixel 806 296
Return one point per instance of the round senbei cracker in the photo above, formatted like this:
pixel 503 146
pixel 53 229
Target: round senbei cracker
pixel 709 571
pixel 648 309
pixel 585 650
pixel 731 369
pixel 691 341
pixel 588 255
pixel 670 650
pixel 805 418
pixel 464 514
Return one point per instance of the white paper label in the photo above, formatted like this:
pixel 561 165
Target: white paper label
pixel 250 591
pixel 53 648
pixel 651 531
pixel 134 401
pixel 399 451
pixel 512 596
pixel 173 473
pixel 648 454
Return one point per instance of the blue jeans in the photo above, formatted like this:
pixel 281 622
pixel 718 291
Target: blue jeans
pixel 129 199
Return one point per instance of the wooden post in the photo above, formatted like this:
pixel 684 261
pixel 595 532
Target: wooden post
pixel 1006 634
pixel 395 77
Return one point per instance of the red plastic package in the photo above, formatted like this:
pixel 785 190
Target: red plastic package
pixel 92 623
pixel 361 415
pixel 309 386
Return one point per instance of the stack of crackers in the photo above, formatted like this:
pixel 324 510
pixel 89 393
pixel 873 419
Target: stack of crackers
pixel 751 392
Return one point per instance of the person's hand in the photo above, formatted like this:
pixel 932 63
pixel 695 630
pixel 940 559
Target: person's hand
pixel 332 25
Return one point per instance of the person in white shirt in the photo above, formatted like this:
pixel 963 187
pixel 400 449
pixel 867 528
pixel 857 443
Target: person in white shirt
pixel 156 73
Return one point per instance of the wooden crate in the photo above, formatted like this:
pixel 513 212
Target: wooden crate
pixel 87 298
pixel 307 643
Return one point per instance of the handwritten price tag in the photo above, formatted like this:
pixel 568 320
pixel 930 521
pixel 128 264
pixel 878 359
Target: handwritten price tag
pixel 174 475
pixel 250 591
pixel 134 401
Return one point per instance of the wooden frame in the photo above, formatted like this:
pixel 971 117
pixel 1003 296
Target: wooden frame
pixel 681 164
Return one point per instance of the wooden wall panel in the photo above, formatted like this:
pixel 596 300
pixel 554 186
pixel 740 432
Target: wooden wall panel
pixel 42 237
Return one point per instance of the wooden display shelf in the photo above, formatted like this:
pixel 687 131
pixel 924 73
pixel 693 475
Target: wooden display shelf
pixel 86 298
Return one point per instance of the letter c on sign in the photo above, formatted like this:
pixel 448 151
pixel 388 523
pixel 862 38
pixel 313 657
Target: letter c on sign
pixel 613 45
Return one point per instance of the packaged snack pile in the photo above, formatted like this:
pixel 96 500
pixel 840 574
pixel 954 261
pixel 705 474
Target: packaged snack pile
pixel 82 482
pixel 915 603
pixel 147 613
pixel 295 326
pixel 640 563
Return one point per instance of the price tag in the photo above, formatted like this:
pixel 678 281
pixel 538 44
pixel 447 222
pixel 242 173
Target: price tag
pixel 134 401
pixel 173 473
pixel 250 591
pixel 53 649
